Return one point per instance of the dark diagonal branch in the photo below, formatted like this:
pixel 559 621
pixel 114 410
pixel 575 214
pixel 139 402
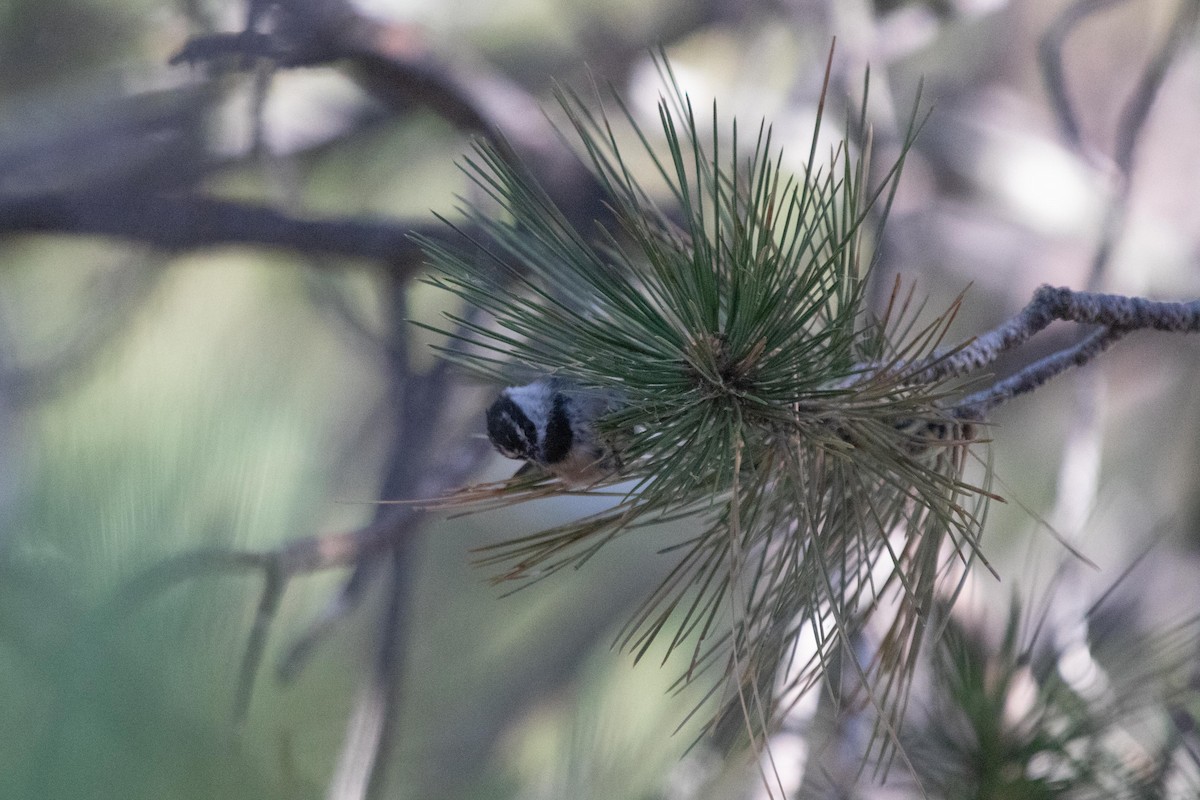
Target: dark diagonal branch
pixel 1133 114
pixel 391 61
pixel 1182 32
pixel 1136 110
pixel 1050 50
pixel 188 222
pixel 397 64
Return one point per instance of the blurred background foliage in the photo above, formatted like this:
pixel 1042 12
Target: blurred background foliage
pixel 154 401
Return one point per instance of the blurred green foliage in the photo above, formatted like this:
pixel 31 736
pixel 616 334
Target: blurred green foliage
pixel 230 407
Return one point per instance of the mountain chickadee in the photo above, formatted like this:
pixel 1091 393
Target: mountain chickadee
pixel 551 425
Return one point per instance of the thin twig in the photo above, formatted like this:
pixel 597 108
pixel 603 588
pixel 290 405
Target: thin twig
pixel 1049 304
pixel 274 584
pixel 278 567
pixel 976 406
pixel 1133 116
pixel 1050 50
pixel 343 604
pixel 1137 109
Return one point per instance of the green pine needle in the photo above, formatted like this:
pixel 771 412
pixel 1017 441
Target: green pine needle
pixel 1004 721
pixel 758 396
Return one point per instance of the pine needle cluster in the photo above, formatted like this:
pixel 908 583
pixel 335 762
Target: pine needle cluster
pixel 1005 721
pixel 758 397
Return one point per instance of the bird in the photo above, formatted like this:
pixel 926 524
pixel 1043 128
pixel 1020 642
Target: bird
pixel 551 425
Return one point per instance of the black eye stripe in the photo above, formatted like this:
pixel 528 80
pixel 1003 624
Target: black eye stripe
pixel 510 429
pixel 559 436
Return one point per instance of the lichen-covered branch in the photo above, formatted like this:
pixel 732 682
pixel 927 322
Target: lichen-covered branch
pixel 1118 313
pixel 976 406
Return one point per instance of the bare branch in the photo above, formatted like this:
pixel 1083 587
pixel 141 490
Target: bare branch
pixel 176 222
pixel 1051 303
pixel 396 64
pixel 976 406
